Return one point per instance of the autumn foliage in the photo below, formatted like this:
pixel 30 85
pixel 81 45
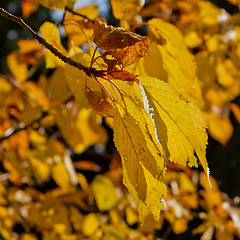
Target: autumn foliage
pixel 158 95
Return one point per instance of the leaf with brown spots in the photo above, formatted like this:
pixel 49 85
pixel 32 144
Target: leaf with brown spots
pixel 125 46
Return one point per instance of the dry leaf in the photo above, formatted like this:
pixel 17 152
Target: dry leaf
pixel 125 46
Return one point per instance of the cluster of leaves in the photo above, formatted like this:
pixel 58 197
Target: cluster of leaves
pixel 149 91
pixel 213 35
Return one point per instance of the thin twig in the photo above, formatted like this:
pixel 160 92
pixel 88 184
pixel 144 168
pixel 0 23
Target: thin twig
pixel 78 14
pixel 42 41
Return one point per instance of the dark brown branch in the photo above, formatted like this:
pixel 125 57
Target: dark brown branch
pixel 42 41
pixel 79 14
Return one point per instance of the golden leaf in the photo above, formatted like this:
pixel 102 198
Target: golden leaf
pixel 67 126
pixel 168 59
pixel 28 7
pixel 143 162
pixel 51 35
pixel 17 66
pixel 104 192
pixel 181 128
pixel 90 224
pixel 74 25
pixel 60 175
pixel 126 9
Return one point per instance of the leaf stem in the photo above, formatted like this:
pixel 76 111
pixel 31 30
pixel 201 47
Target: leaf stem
pixel 138 25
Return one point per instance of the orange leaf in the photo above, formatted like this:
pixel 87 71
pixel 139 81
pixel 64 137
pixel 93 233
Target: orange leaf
pixel 235 110
pixel 125 46
pixel 28 7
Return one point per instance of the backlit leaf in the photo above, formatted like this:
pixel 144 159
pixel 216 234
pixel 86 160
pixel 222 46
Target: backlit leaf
pixel 67 125
pixel 50 33
pixel 53 3
pixel 17 67
pixel 180 125
pixel 143 163
pixel 168 59
pixel 90 224
pixel 126 9
pixel 74 25
pixel 28 7
pixel 60 175
pixel 104 192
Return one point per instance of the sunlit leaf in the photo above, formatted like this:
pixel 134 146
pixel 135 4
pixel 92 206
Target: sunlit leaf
pixel 53 3
pixel 124 9
pixel 17 67
pixel 143 163
pixel 169 60
pixel 60 175
pixel 50 33
pixel 180 125
pixel 104 192
pixel 90 224
pixel 74 25
pixel 28 7
pixel 67 125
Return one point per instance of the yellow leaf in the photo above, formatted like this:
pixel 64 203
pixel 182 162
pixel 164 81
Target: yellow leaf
pixel 92 132
pixel 47 214
pixel 181 128
pixel 41 169
pixel 192 39
pixel 53 3
pixel 57 87
pixel 226 72
pixel 76 80
pixel 209 13
pixel 180 225
pixel 205 64
pixel 186 183
pixel 17 66
pixel 74 25
pixel 90 224
pixel 5 86
pixel 212 195
pixel 28 236
pixel 31 113
pixel 104 192
pixel 235 110
pixel 143 162
pixel 220 127
pixel 126 9
pixel 131 216
pixel 35 93
pixel 51 35
pixel 70 3
pixel 68 128
pixel 60 175
pixel 85 89
pixel 169 60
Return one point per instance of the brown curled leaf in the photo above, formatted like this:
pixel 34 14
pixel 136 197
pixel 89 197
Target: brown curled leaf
pixel 125 46
pixel 99 103
pixel 122 75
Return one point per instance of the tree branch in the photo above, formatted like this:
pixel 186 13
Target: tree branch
pixel 79 14
pixel 42 41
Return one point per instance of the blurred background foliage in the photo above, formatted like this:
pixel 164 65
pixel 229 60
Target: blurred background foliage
pixel 95 204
